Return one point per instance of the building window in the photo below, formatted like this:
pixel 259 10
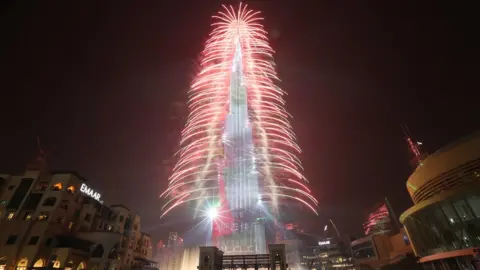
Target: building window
pixel 2 202
pixel 59 220
pixel 70 226
pixel 462 210
pixel 22 264
pixel 9 215
pixel 50 201
pixel 42 186
pixel 27 216
pixel 33 240
pixel 474 203
pixel 88 217
pixel 57 187
pixel 81 266
pixel 56 264
pixel 71 189
pixel 48 242
pixel 98 251
pixel 64 204
pixel 450 213
pixel 11 239
pixel 40 263
pixel 43 216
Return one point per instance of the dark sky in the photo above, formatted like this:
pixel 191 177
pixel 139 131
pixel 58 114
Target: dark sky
pixel 98 82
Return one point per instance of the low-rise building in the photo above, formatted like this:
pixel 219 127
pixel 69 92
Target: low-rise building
pixel 444 222
pixel 384 250
pixel 55 219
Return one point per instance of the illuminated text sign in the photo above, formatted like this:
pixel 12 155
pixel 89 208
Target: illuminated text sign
pixel 90 192
pixel 321 243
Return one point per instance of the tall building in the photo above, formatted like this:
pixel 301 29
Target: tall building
pixel 238 160
pixel 444 223
pixel 56 220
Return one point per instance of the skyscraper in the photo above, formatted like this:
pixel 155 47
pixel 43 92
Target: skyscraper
pixel 238 157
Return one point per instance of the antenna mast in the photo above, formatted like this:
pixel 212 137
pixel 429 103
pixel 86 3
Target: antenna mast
pixel 413 146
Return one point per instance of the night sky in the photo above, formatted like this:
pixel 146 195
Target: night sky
pixel 103 83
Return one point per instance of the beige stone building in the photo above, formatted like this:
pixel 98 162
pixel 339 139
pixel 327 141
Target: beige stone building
pixel 57 220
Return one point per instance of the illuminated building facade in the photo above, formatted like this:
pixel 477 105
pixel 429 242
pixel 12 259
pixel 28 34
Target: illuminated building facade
pixel 237 163
pixel 444 223
pixel 327 254
pixel 384 251
pixel 51 219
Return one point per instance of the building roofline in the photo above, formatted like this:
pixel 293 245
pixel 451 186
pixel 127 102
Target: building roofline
pixel 119 205
pixel 451 145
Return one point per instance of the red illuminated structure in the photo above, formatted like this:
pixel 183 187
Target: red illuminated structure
pixel 414 147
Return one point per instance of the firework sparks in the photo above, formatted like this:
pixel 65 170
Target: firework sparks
pixel 238 41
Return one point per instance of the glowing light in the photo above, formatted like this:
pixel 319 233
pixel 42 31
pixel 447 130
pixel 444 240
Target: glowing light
pixel 237 77
pixel 212 213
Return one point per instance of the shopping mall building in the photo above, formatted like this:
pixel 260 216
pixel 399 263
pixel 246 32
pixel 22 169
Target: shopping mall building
pixel 443 225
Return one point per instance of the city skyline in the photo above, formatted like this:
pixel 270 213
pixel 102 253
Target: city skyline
pixel 99 93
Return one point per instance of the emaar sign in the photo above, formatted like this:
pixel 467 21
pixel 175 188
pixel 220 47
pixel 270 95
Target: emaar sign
pixel 90 192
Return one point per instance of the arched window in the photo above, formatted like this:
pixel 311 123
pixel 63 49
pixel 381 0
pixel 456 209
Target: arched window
pixel 69 265
pixel 82 266
pixel 71 189
pixel 3 261
pixel 39 263
pixel 98 251
pixel 49 201
pixel 57 187
pixel 56 264
pixel 22 264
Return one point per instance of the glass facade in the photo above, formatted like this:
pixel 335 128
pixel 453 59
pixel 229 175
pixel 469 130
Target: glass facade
pixel 449 225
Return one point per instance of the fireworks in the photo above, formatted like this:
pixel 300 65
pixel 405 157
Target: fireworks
pixel 237 37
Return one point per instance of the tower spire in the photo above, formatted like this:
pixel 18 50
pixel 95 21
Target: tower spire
pixel 413 146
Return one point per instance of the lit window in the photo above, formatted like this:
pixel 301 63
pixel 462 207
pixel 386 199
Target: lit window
pixel 28 216
pixel 71 189
pixel 9 215
pixel 22 264
pixel 42 186
pixel 40 263
pixel 3 202
pixel 43 216
pixel 57 187
pixel 70 226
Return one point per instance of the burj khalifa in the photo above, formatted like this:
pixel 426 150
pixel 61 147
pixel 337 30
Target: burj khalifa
pixel 238 157
pixel 240 175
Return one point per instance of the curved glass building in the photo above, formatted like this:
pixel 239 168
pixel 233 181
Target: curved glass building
pixel 444 223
